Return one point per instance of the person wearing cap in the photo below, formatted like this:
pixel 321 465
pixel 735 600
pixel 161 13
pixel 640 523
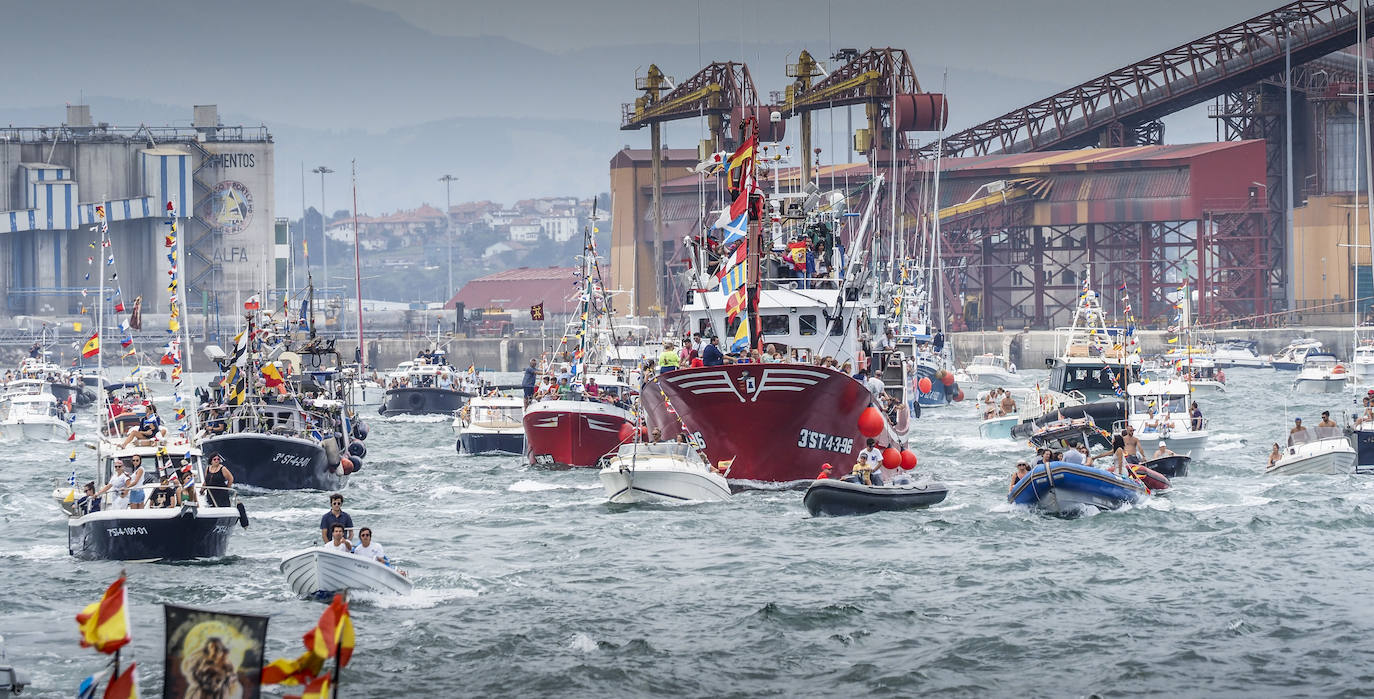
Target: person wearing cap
pixel 334 516
pixel 825 472
pixel 1022 469
pixel 1163 450
pixel 1368 400
pixel 118 487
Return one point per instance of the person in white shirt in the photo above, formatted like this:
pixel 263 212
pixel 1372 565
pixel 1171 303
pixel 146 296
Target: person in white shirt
pixel 1074 456
pixel 872 453
pixel 338 541
pixel 368 549
pixel 118 487
pixel 874 385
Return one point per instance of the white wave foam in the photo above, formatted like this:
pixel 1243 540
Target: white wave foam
pixel 444 490
pixel 417 418
pixel 419 598
pixel 582 642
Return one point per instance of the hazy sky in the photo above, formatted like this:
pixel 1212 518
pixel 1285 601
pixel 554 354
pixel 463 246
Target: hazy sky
pixel 523 97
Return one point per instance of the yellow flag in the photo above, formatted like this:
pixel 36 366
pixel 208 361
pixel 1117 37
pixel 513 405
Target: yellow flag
pixel 76 326
pixel 173 324
pixel 1172 340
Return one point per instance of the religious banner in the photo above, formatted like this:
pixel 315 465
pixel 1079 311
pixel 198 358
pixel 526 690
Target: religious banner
pixel 213 654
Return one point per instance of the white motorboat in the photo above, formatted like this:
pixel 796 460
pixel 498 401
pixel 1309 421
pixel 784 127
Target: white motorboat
pixel 1291 358
pixel 998 427
pixel 29 412
pixel 491 425
pixel 991 369
pixel 325 570
pixel 1158 411
pixel 1094 360
pixel 1201 375
pixel 1362 365
pixel 1321 373
pixel 1239 353
pixel 662 472
pixel 1315 450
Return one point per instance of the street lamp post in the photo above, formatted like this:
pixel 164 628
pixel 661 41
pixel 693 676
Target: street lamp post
pixel 1290 233
pixel 324 222
pixel 448 228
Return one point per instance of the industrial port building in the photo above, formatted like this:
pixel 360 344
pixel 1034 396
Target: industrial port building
pixel 220 180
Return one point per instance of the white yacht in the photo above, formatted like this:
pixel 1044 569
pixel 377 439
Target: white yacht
pixel 1362 365
pixel 1094 361
pixel 1202 375
pixel 662 472
pixel 991 369
pixel 1315 450
pixel 1239 353
pixel 491 425
pixel 28 411
pixel 1321 373
pixel 1290 358
pixel 1158 411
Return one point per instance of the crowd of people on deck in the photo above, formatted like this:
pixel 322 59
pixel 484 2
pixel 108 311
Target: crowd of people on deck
pixel 127 488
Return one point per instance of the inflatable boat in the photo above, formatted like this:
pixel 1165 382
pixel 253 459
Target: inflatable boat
pixel 837 498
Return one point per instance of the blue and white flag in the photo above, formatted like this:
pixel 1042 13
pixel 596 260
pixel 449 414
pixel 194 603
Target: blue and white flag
pixel 90 686
pixel 735 228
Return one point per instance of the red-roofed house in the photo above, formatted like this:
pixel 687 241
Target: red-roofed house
pixel 516 290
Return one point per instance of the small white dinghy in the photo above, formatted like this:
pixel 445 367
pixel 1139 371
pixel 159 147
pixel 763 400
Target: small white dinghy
pixel 324 570
pixel 663 472
pixel 1322 450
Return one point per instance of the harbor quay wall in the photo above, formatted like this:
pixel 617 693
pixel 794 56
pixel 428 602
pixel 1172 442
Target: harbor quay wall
pixel 487 353
pixel 1029 349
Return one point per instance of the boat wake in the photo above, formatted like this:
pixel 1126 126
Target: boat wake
pixel 419 598
pixel 528 486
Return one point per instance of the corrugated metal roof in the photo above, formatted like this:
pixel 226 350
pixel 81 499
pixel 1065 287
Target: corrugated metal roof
pixel 518 289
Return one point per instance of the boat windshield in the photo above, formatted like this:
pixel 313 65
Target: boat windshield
pixel 1315 434
pixel 988 361
pixel 678 449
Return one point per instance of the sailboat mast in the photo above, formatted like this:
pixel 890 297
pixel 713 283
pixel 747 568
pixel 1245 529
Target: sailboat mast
pixel 755 242
pixel 185 327
pixel 358 274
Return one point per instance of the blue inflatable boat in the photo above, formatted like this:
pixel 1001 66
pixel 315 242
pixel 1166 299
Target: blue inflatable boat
pixel 1065 488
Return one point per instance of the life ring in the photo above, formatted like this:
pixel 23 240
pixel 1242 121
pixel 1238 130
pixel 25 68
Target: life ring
pixel 1340 369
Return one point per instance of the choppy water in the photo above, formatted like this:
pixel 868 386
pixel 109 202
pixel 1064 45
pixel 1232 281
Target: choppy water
pixel 528 584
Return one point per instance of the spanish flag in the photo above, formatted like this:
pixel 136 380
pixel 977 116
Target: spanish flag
pixel 737 174
pixel 92 347
pixel 287 671
pixel 319 689
pixel 103 624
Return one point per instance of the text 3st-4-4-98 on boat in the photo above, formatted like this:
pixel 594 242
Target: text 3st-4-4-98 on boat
pixel 291 460
pixel 809 439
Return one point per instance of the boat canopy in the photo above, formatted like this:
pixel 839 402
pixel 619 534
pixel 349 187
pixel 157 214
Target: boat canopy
pixel 1315 434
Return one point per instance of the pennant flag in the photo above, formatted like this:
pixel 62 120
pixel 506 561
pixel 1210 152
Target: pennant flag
pixel 72 457
pixel 119 307
pixel 1123 287
pixel 252 304
pixel 173 325
pixel 92 347
pixel 1172 340
pixel 736 257
pixel 271 377
pixel 537 311
pixel 733 229
pixel 76 326
pixel 126 341
pixel 130 353
pixel 99 211
pixel 103 624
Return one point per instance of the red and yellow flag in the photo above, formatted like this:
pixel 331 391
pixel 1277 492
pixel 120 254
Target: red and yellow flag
pixel 734 305
pixel 124 685
pixel 103 624
pixel 92 347
pixel 318 689
pixel 334 632
pixel 288 671
pixel 271 377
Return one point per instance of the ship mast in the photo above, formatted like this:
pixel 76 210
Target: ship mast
pixel 755 242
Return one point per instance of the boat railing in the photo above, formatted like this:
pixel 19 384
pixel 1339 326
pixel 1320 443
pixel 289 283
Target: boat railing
pixel 678 449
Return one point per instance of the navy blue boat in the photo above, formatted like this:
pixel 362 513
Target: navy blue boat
pixel 1065 488
pixel 839 498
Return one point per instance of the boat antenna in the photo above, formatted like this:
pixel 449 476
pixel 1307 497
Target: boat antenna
pixel 358 274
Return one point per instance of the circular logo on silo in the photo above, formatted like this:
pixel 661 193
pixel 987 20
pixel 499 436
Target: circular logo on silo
pixel 231 206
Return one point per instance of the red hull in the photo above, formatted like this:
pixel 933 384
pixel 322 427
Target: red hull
pixel 779 422
pixel 572 434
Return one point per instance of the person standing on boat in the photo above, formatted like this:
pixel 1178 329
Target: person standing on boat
pixel 530 381
pixel 118 486
pixel 366 548
pixel 89 502
pixel 137 496
pixel 217 478
pixel 335 516
pixel 667 359
pixel 1326 420
pixel 1132 444
pixel 1196 416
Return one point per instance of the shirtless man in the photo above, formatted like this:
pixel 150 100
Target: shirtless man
pixel 1008 403
pixel 1132 444
pixel 1326 420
